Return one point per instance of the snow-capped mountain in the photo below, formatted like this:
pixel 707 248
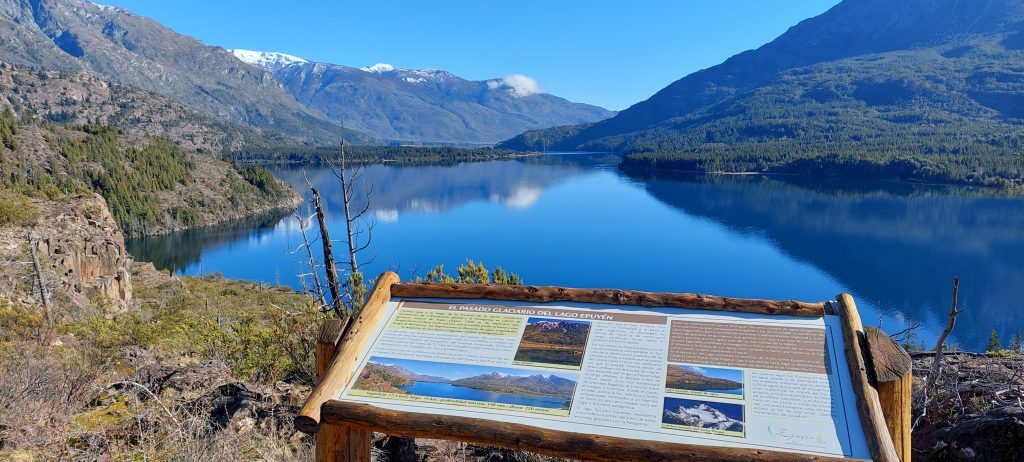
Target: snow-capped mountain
pixel 269 60
pixel 422 105
pixel 702 416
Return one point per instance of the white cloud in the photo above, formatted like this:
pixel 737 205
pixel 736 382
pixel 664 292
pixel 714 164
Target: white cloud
pixel 517 84
pixel 386 215
pixel 522 197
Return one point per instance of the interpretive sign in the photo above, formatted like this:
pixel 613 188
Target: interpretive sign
pixel 673 375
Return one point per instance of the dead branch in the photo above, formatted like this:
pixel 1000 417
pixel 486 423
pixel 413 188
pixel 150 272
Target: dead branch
pixel 44 295
pixel 940 345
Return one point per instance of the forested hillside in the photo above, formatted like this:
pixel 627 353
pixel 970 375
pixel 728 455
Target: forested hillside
pixel 918 90
pixel 151 185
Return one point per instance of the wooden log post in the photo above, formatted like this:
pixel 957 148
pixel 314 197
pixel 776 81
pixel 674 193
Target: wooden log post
pixel 875 429
pixel 336 361
pixel 892 371
pixel 337 443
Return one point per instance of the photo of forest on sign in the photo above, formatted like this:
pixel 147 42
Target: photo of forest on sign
pixel 553 343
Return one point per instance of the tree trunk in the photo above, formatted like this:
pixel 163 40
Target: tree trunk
pixel 40 281
pixel 329 267
pixel 346 199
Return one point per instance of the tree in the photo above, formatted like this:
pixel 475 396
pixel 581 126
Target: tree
pixel 472 273
pixel 993 342
pixel 357 238
pixel 347 300
pixel 1015 344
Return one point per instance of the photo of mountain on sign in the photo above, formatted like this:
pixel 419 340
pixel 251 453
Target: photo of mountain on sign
pixel 553 343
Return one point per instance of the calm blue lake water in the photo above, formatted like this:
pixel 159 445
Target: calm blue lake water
pixel 447 390
pixel 576 220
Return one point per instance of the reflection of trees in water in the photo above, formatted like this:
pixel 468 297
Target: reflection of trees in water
pixel 438 188
pixel 897 245
pixel 178 251
pixel 396 189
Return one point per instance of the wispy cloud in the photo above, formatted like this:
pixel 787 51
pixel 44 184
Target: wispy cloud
pixel 517 84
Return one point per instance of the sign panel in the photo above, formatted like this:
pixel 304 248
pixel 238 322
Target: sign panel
pixel 674 375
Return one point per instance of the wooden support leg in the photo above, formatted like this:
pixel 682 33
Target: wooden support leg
pixel 894 381
pixel 337 443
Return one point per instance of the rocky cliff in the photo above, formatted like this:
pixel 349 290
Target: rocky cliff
pixel 80 250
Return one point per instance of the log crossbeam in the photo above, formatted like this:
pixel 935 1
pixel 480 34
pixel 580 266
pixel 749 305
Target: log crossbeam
pixel 880 371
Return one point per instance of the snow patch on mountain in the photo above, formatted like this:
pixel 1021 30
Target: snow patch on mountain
pixel 516 84
pixel 270 60
pixel 378 68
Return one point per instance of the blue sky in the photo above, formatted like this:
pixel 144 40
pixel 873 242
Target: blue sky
pixel 610 53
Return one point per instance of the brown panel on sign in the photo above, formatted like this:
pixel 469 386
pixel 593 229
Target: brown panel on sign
pixel 780 348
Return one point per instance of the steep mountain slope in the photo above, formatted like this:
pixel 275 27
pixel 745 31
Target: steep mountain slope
pixel 422 105
pixel 71 35
pixel 82 98
pixel 886 78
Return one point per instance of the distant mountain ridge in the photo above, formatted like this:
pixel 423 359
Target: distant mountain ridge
pixel 275 91
pixel 421 105
pixel 121 47
pixel 921 89
pixel 550 385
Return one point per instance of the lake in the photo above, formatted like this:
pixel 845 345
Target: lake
pixel 576 220
pixel 447 390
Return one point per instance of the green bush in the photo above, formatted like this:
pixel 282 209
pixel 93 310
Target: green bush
pixel 16 209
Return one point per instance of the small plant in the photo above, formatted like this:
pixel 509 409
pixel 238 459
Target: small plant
pixel 16 209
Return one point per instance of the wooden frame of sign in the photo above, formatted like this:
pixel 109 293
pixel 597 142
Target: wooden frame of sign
pixel 880 370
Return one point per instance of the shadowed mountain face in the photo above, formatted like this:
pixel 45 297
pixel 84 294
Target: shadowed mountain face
pixel 70 35
pixel 864 70
pixel 897 246
pixel 427 105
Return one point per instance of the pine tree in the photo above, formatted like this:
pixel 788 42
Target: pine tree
pixel 1015 344
pixel 993 342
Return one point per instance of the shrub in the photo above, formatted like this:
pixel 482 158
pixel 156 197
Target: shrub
pixel 16 209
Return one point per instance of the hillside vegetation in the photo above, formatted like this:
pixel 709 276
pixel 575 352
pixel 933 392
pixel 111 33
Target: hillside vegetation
pixel 373 154
pixel 923 90
pixel 151 185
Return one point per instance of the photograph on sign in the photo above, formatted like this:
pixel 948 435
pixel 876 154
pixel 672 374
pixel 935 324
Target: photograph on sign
pixel 703 416
pixel 557 343
pixel 675 375
pixel 466 385
pixel 719 382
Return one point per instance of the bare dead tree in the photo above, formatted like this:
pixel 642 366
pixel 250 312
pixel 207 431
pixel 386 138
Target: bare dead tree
pixel 357 238
pixel 317 291
pixel 40 279
pixel 330 268
pixel 940 345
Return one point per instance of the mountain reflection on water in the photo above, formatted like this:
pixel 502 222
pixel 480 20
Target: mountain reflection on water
pixel 576 220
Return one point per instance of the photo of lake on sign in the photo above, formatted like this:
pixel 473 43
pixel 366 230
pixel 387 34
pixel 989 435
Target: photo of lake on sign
pixel 718 382
pixel 466 385
pixel 553 343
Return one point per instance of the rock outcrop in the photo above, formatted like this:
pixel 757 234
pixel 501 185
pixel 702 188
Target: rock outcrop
pixel 80 249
